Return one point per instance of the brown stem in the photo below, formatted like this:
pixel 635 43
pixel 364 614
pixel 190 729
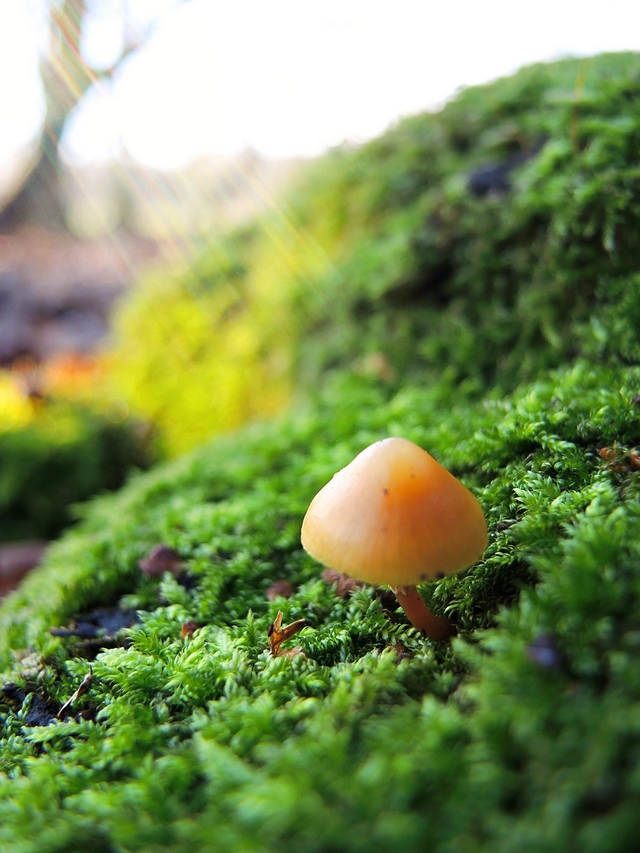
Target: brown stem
pixel 435 627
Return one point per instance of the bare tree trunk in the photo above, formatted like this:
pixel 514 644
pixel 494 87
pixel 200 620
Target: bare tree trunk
pixel 65 78
pixel 40 200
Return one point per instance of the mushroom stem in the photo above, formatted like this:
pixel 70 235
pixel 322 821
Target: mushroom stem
pixel 435 627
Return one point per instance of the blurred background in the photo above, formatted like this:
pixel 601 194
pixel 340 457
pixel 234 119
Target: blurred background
pixel 169 207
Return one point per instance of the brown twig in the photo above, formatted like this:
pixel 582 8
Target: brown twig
pixel 84 686
pixel 278 635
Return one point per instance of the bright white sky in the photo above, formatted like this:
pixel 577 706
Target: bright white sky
pixel 287 77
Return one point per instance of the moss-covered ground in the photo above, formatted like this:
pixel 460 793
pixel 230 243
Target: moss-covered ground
pixel 523 733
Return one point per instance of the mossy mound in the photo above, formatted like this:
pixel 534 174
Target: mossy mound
pixel 520 735
pixel 486 240
pixel 523 737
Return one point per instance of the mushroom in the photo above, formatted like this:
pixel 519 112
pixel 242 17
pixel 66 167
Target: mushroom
pixel 395 516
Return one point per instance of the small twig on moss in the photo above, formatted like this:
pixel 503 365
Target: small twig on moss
pixel 84 686
pixel 278 635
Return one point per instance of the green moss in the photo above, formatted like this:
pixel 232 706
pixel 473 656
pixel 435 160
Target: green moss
pixel 210 743
pixel 521 734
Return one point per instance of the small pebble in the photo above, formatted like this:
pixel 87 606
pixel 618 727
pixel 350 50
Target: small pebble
pixel 545 652
pixel 344 584
pixel 280 589
pixel 161 559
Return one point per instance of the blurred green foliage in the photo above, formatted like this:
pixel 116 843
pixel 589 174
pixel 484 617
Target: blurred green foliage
pixel 204 349
pixel 515 364
pixel 66 454
pixel 384 256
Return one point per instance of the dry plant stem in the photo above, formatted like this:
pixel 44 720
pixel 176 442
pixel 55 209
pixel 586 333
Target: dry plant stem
pixel 435 627
pixel 278 635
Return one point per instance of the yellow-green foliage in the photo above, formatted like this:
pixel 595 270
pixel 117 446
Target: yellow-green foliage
pixel 209 346
pixel 16 410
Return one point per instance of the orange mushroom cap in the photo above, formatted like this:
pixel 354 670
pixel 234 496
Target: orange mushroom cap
pixel 395 516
